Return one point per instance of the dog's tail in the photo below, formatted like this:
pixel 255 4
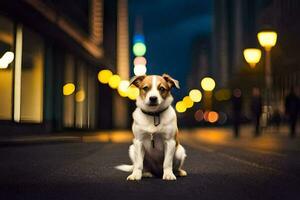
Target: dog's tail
pixel 125 168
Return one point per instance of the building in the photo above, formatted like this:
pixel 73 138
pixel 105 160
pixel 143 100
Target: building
pixel 236 24
pixel 56 50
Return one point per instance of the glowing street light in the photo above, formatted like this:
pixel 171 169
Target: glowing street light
pixel 268 39
pixel 252 56
pixel 195 95
pixel 208 84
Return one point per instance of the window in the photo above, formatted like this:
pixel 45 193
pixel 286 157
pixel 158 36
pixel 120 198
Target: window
pixel 68 91
pixel 6 67
pixel 31 109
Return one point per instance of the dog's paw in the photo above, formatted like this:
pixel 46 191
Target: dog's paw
pixel 135 176
pixel 169 176
pixel 182 172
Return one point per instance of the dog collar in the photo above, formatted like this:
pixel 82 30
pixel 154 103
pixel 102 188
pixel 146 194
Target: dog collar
pixel 156 115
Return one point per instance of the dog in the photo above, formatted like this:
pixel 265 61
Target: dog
pixel 155 150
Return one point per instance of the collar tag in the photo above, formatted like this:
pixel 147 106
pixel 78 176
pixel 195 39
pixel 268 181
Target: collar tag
pixel 156 120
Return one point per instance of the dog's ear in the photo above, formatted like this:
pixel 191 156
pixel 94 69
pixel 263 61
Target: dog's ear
pixel 171 81
pixel 137 80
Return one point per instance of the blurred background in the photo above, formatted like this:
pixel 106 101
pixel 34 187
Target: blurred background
pixel 65 65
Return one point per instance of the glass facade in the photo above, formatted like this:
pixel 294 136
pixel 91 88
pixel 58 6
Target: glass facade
pixel 32 77
pixel 6 69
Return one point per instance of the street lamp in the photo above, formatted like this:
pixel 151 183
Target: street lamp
pixel 252 56
pixel 267 39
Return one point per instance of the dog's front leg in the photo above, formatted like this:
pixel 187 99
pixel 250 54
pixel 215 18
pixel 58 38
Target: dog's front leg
pixel 168 161
pixel 139 159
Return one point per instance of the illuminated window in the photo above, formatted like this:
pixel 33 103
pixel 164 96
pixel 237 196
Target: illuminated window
pixel 69 90
pixel 81 96
pixel 32 77
pixel 6 67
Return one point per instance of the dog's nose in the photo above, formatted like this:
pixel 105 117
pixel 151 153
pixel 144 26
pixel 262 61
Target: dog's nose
pixel 153 99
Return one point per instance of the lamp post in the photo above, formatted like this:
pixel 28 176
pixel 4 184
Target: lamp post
pixel 252 56
pixel 267 39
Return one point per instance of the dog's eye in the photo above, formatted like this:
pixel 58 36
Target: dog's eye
pixel 145 88
pixel 162 89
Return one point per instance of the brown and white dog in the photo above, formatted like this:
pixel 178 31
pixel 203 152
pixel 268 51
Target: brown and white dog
pixel 155 149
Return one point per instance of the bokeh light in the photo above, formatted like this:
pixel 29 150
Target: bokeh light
pixel 188 102
pixel 80 96
pixel 133 92
pixel 123 88
pixel 223 95
pixel 139 49
pixel 140 61
pixel 199 115
pixel 68 89
pixel 138 38
pixel 139 70
pixel 212 117
pixel 6 59
pixel 208 84
pixel 195 95
pixel 114 81
pixel 104 76
pixel 180 107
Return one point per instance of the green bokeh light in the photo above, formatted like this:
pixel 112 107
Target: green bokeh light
pixel 139 49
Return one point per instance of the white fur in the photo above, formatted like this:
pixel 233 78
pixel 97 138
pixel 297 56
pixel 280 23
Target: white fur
pixel 164 137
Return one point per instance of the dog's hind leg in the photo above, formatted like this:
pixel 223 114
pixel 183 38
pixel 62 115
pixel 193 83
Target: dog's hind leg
pixel 180 156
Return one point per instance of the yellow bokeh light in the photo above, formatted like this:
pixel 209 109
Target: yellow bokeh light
pixel 180 107
pixel 133 92
pixel 123 88
pixel 80 96
pixel 68 89
pixel 252 56
pixel 208 84
pixel 223 95
pixel 188 102
pixel 267 39
pixel 114 81
pixel 195 95
pixel 104 76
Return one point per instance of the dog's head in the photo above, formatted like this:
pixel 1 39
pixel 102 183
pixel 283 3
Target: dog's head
pixel 155 91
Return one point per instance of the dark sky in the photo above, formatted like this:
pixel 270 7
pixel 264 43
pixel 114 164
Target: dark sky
pixel 169 28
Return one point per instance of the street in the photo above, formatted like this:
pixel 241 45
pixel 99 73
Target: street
pixel 218 166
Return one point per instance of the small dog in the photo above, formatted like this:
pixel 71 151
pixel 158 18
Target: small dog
pixel 155 149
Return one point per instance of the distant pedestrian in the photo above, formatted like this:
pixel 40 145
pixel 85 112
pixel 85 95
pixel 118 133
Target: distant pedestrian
pixel 292 111
pixel 236 110
pixel 276 119
pixel 256 109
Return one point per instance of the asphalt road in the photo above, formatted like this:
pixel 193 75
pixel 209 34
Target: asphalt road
pixel 218 168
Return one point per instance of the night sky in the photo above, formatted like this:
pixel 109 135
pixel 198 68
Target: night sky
pixel 169 27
